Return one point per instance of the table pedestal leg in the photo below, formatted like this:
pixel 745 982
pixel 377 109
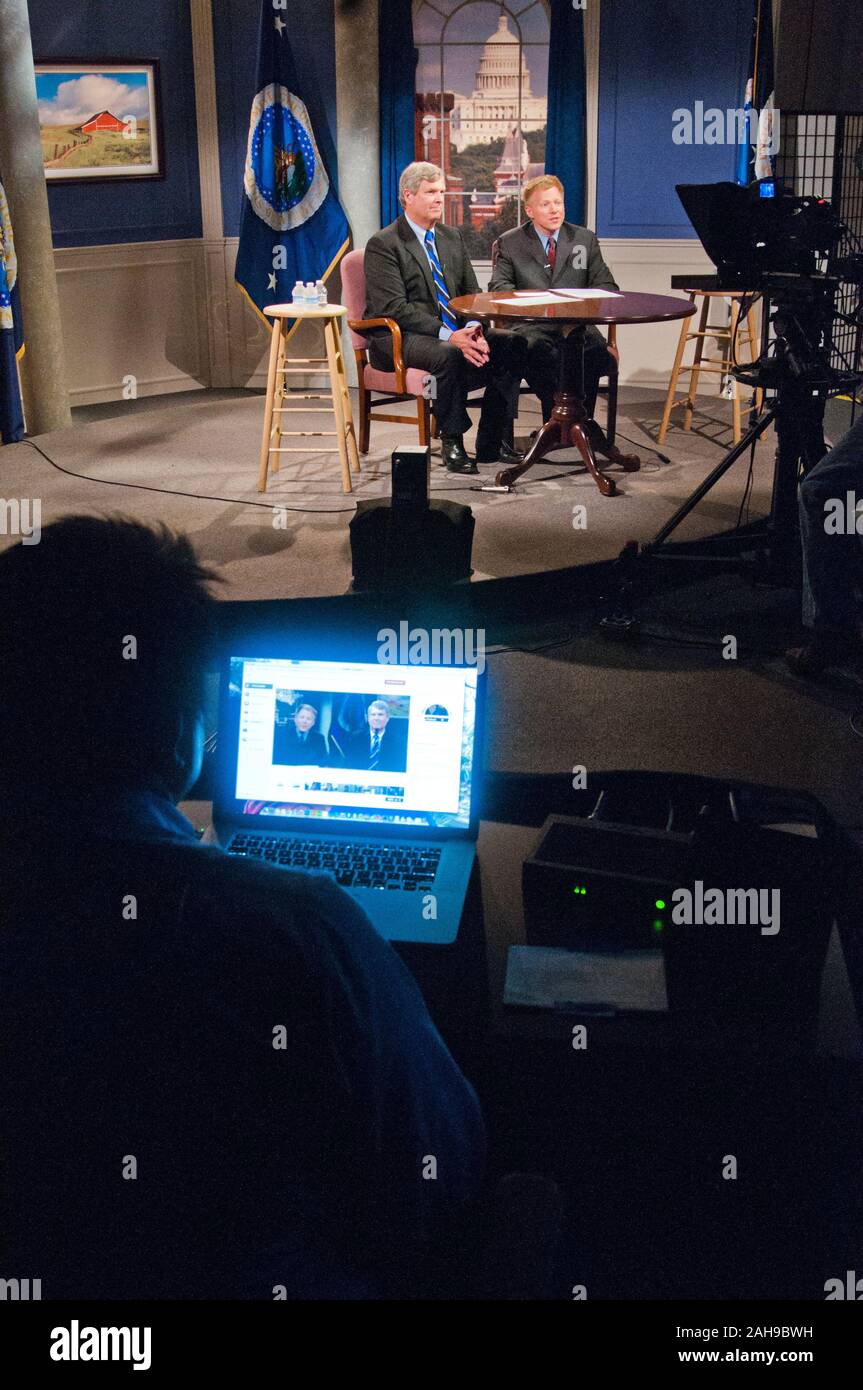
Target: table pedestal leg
pixel 568 426
pixel 566 429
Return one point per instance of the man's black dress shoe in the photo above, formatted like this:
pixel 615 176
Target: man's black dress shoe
pixel 504 454
pixel 454 456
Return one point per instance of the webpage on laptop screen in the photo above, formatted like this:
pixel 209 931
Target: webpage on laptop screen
pixel 354 741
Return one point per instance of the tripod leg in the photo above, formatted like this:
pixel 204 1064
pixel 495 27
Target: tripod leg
pixel 703 488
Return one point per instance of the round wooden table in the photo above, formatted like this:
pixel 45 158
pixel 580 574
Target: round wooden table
pixel 566 428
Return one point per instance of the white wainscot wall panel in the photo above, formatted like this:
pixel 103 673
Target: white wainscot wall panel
pixel 646 266
pixel 134 310
pixel 169 314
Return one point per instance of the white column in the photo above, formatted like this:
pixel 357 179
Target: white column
pixel 209 166
pixel 357 115
pixel 43 374
pixel 358 136
pixel 591 76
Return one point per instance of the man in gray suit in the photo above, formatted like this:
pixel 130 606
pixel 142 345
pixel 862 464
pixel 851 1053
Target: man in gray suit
pixel 414 267
pixel 548 251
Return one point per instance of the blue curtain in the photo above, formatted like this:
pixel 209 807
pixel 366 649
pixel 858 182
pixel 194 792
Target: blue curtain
pixel 565 142
pixel 397 64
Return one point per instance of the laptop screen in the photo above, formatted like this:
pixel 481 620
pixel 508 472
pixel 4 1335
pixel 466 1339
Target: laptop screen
pixel 351 743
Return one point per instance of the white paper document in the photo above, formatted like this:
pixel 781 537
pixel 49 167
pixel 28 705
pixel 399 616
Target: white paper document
pixel 546 977
pixel 541 298
pixel 557 296
pixel 587 294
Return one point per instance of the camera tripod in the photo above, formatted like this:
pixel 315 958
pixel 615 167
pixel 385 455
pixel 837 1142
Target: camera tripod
pixel 767 549
pixel 798 413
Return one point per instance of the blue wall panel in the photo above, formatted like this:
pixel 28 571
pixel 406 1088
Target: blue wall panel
pixel 92 214
pixel 235 33
pixel 655 59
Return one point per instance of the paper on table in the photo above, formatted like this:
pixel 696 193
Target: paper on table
pixel 587 294
pixel 557 296
pixel 550 978
pixel 541 298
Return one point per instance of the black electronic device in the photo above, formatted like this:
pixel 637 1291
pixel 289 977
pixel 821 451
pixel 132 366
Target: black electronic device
pixel 748 236
pixel 730 882
pixel 418 548
pixel 770 248
pixel 411 472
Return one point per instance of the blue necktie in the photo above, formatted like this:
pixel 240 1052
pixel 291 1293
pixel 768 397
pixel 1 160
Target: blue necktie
pixel 376 751
pixel 446 312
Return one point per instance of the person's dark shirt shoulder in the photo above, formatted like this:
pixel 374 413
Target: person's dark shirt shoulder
pixel 246 1035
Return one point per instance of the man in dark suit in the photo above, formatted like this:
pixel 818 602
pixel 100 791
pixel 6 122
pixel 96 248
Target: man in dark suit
pixel 383 746
pixel 413 269
pixel 233 1035
pixel 547 251
pixel 297 742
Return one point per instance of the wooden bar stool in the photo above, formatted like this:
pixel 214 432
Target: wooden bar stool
pixel 277 393
pixel 747 335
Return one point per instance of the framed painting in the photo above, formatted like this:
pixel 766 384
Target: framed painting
pixel 100 120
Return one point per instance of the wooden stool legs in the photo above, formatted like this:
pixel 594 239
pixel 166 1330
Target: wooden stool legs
pixel 269 405
pixel 346 440
pixel 339 403
pixel 695 373
pixel 701 363
pixel 672 385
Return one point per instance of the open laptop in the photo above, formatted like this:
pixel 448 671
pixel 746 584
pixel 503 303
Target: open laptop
pixel 394 820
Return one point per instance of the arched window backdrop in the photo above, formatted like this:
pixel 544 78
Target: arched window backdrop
pixel 481 107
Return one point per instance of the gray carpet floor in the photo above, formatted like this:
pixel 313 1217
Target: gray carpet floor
pixel 668 701
pixel 293 540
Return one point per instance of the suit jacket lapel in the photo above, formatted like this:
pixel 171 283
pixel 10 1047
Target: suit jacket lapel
pixel 534 245
pixel 408 236
pixel 564 250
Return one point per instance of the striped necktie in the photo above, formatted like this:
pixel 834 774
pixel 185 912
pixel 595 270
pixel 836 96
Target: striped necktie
pixel 551 254
pixel 446 312
pixel 376 751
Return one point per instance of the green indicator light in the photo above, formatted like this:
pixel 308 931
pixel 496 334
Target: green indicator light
pixel 658 925
pixel 579 890
pixel 660 903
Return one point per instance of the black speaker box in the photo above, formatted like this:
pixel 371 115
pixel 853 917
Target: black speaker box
pixel 411 465
pixel 418 548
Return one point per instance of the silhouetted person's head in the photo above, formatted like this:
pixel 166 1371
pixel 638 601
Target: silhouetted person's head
pixel 106 627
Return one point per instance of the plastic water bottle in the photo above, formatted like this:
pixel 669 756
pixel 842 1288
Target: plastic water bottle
pixel 298 295
pixel 321 291
pixel 311 293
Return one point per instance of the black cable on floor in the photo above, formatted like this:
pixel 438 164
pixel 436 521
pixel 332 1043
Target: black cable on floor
pixel 639 444
pixel 175 492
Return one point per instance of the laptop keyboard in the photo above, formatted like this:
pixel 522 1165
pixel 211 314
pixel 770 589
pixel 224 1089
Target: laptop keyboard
pixel 400 866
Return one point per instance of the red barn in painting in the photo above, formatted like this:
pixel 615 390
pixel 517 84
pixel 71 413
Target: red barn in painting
pixel 103 120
